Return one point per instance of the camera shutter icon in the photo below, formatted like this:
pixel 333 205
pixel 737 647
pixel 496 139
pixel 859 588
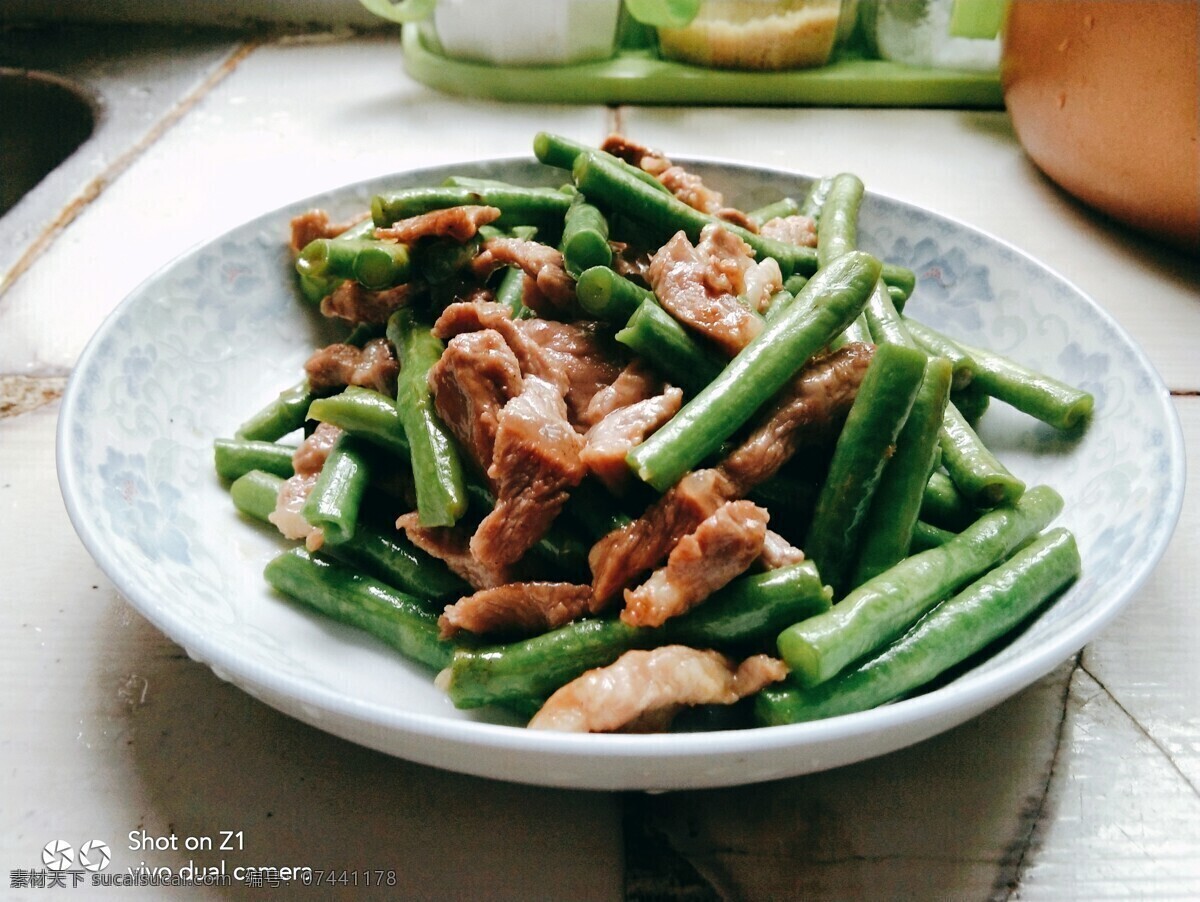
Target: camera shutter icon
pixel 57 855
pixel 94 855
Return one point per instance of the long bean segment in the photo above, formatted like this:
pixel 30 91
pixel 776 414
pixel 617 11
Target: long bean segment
pixel 398 619
pixel 837 230
pixel 585 237
pixel 879 412
pixel 883 607
pixel 541 207
pixel 284 414
pixel 949 634
pixel 976 471
pixel 659 338
pixel 937 344
pixel 364 413
pixel 373 264
pixel 606 295
pixel 333 504
pixel 887 532
pixel 826 305
pixel 437 467
pixel 234 457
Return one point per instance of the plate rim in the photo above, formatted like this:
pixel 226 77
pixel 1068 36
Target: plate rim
pixel 925 714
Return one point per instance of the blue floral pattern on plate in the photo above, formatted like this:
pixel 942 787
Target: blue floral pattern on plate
pixel 215 334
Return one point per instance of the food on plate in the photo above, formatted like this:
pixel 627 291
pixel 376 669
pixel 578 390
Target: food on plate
pixel 602 452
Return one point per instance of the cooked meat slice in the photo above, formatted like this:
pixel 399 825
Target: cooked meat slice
pixel 632 152
pixel 778 552
pixel 456 223
pixel 720 548
pixel 474 316
pixel 475 377
pixel 607 443
pixel 636 382
pixel 307 461
pixel 800 230
pixel 351 302
pixel 451 545
pixel 577 352
pixel 685 185
pixel 700 285
pixel 315 224
pixel 806 413
pixel 526 609
pixel 639 683
pixel 625 554
pixel 335 366
pixel 534 465
pixel 544 264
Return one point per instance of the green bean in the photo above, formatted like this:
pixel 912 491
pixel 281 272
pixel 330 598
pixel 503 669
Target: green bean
pixel 585 237
pixel 747 609
pixel 880 609
pixel 794 283
pixel 936 343
pixel 608 296
pixel 541 207
pixel 946 636
pixel 233 457
pixel 814 200
pixel 477 184
pixel 883 322
pixel 780 301
pixel 659 338
pixel 944 505
pixel 887 533
pixel 395 618
pixel 753 606
pixel 926 536
pixel 314 289
pixel 828 303
pixel 511 291
pixel 386 555
pixel 780 209
pixel 436 464
pixel 975 470
pixel 837 232
pixel 876 417
pixel 373 264
pixel 972 402
pixel 1036 394
pixel 367 414
pixel 560 152
pixel 284 414
pixel 333 504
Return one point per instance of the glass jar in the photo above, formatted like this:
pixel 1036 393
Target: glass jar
pixel 760 34
pixel 918 33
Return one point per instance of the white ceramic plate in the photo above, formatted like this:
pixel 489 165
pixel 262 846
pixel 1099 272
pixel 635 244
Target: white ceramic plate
pixel 218 332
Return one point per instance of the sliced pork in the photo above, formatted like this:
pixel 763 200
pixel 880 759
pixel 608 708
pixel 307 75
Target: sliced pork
pixel 555 294
pixel 355 304
pixel 640 683
pixel 607 442
pixel 721 547
pixel 451 545
pixel 335 366
pixel 459 224
pixel 314 224
pixel 626 554
pixel 636 382
pixel 714 287
pixel 799 230
pixel 516 609
pixel 475 377
pixel 307 461
pixel 579 353
pixel 535 463
pixel 808 412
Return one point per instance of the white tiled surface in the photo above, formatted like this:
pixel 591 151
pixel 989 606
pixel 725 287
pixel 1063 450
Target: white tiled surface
pixel 1085 786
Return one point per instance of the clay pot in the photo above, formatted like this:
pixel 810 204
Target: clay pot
pixel 1105 97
